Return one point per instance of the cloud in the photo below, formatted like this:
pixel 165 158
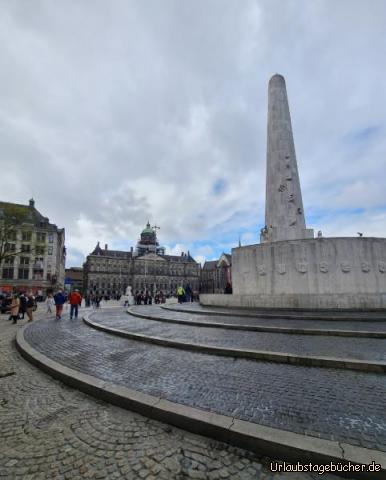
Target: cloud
pixel 111 115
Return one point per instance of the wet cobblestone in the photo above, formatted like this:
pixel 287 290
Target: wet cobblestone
pixel 312 345
pixel 51 432
pixel 328 403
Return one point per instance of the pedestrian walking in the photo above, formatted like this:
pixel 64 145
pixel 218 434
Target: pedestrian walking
pixel 188 293
pixel 180 294
pixel 23 306
pixel 75 300
pixel 60 300
pixel 50 303
pixel 15 304
pixel 30 306
pixel 98 301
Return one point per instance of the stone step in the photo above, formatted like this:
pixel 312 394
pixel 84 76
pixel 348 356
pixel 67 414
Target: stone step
pixel 296 314
pixel 343 329
pixel 366 355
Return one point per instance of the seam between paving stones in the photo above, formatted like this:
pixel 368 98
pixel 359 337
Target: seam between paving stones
pixel 277 314
pixel 327 362
pixel 258 328
pixel 258 438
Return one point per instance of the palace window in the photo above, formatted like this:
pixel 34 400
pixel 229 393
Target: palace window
pixel 25 248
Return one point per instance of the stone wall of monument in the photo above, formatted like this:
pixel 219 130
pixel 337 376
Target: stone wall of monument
pixel 315 273
pixel 297 301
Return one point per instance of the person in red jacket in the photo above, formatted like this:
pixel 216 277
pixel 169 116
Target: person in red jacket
pixel 75 299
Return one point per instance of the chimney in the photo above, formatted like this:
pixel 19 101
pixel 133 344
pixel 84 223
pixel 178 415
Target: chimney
pixel 105 246
pixel 32 202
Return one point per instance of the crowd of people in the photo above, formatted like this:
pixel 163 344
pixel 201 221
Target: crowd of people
pixel 19 304
pixel 184 294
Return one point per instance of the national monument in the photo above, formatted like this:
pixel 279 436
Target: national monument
pixel 290 268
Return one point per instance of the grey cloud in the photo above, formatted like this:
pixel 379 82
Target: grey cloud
pixel 100 98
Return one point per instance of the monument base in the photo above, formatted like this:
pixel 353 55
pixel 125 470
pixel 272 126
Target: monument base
pixel 320 273
pixel 297 301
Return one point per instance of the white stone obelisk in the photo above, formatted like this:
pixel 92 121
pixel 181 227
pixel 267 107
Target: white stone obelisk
pixel 284 214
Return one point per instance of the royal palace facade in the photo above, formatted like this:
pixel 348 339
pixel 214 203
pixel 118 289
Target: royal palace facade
pixel 110 272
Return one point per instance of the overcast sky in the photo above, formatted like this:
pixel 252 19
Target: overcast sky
pixel 113 113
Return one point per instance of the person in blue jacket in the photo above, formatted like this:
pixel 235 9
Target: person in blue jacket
pixel 60 300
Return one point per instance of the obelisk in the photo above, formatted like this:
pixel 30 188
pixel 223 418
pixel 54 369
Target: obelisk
pixel 284 213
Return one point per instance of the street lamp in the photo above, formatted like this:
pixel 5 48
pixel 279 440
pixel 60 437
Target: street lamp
pixel 154 228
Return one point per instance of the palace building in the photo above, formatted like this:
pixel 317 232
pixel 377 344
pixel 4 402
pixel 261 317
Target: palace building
pixel 110 272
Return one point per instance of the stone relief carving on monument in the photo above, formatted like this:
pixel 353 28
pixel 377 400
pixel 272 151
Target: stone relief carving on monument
pixel 345 267
pixel 280 268
pixel 382 267
pixel 300 211
pixel 262 270
pixel 292 221
pixel 323 267
pixel 291 197
pixel 288 177
pixel 282 187
pixel 301 267
pixel 365 266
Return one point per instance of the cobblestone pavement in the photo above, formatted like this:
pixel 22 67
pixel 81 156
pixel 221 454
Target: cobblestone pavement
pixel 312 345
pixel 332 315
pixel 372 326
pixel 49 431
pixel 328 403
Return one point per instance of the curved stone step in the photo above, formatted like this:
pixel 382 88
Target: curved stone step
pixel 258 328
pixel 243 352
pixel 273 442
pixel 299 314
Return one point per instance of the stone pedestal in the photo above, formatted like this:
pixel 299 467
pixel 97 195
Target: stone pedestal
pixel 309 273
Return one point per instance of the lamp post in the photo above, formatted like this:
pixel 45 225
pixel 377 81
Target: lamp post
pixel 154 228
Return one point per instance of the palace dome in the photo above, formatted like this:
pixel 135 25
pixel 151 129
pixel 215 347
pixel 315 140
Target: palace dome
pixel 148 230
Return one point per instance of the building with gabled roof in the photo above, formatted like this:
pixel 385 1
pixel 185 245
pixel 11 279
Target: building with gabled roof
pixel 216 275
pixel 32 250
